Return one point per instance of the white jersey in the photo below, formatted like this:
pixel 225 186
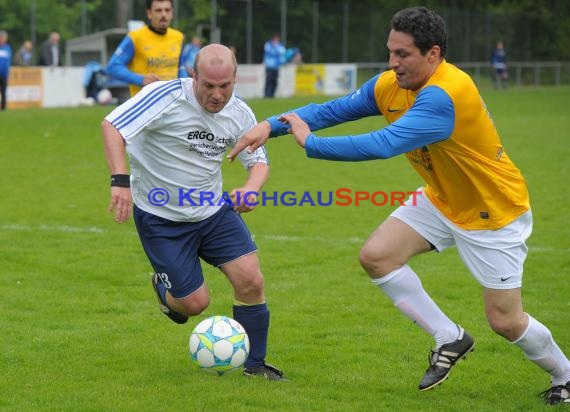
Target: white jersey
pixel 176 149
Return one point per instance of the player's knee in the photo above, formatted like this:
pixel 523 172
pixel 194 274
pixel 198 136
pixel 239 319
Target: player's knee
pixel 250 289
pixel 250 286
pixel 373 260
pixel 367 257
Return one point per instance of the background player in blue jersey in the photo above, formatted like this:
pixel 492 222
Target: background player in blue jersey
pixel 474 197
pixel 499 66
pixel 189 54
pixel 176 134
pixel 273 59
pixel 5 63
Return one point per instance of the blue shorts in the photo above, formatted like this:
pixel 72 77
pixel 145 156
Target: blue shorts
pixel 175 248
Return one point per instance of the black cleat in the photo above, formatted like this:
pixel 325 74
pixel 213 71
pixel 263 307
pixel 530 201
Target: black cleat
pixel 557 394
pixel 269 372
pixel 441 362
pixel 164 308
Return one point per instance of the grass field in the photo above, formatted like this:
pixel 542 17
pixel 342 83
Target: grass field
pixel 80 329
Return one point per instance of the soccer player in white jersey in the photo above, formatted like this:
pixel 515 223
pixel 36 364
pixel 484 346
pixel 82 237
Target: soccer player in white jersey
pixel 175 134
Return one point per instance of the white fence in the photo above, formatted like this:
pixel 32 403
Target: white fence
pixel 63 86
pixel 520 73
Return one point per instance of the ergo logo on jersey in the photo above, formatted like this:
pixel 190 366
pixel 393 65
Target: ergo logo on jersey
pixel 200 134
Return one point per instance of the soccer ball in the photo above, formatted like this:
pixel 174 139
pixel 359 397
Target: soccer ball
pixel 104 97
pixel 219 345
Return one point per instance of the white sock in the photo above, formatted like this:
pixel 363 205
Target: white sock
pixel 405 289
pixel 538 345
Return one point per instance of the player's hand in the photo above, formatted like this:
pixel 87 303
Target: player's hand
pixel 121 203
pixel 244 200
pixel 252 140
pixel 298 127
pixel 150 78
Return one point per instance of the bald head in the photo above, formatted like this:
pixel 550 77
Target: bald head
pixel 215 57
pixel 214 77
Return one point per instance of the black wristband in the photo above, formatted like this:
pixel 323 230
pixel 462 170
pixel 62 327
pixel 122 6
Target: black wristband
pixel 121 180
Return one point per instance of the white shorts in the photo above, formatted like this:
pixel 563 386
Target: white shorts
pixel 494 257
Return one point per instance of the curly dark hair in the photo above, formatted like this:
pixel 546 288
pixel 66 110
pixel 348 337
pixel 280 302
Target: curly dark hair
pixel 424 25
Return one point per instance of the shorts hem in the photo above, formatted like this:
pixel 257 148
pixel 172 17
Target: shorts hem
pixel 500 286
pixel 236 258
pixel 189 293
pixel 438 248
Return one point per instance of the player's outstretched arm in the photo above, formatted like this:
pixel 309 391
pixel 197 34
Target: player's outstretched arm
pixel 298 127
pixel 253 139
pixel 121 198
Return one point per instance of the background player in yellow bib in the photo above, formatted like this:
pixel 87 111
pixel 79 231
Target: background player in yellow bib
pixel 151 53
pixel 474 197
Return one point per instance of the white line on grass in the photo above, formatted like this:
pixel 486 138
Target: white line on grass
pixel 51 228
pixel 353 240
pixel 286 238
pixel 277 238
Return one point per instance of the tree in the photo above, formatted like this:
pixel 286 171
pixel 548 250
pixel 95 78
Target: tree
pixel 531 29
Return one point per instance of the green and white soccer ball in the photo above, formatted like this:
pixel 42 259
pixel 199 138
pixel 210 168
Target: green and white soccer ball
pixel 219 345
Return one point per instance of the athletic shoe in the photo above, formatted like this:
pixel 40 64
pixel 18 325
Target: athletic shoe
pixel 442 360
pixel 269 372
pixel 557 394
pixel 164 308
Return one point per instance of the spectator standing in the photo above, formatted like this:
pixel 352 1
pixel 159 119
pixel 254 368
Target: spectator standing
pixel 151 53
pixel 25 54
pixel 273 58
pixel 50 53
pixel 499 66
pixel 5 62
pixel 189 54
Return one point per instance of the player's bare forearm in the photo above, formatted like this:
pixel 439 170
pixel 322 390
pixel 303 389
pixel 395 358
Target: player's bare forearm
pixel 251 140
pixel 245 197
pixel 258 175
pixel 114 149
pixel 121 198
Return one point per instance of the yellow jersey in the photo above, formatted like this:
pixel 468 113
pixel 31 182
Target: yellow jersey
pixel 143 52
pixel 469 176
pixel 445 131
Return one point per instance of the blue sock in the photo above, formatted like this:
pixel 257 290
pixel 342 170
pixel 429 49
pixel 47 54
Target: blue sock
pixel 255 321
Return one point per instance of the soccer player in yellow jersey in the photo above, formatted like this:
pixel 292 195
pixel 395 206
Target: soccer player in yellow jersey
pixel 151 53
pixel 474 197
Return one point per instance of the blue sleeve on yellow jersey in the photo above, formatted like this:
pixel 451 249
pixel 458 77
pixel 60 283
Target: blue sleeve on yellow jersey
pixel 117 66
pixel 181 69
pixel 353 106
pixel 430 119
